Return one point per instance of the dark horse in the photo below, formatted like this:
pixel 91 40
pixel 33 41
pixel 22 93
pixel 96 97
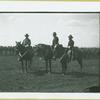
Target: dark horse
pixel 62 53
pixel 25 56
pixel 45 51
pixel 65 58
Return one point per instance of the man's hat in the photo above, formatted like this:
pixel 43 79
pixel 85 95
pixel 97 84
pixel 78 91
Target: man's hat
pixel 54 33
pixel 26 35
pixel 70 36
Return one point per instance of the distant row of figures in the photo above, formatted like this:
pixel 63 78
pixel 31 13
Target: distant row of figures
pixel 7 51
pixel 87 52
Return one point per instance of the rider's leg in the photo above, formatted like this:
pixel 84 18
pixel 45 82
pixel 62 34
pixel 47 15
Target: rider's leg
pixel 70 55
pixel 54 52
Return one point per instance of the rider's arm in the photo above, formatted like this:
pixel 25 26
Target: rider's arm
pixel 23 42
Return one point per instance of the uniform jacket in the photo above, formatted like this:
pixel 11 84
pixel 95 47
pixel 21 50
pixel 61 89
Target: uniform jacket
pixel 26 41
pixel 55 41
pixel 71 43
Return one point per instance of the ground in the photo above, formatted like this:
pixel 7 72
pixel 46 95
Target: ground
pixel 13 80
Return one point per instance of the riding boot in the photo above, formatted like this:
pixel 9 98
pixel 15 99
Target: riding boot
pixel 54 55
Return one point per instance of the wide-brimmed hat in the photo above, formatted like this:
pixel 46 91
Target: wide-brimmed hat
pixel 70 36
pixel 54 33
pixel 26 35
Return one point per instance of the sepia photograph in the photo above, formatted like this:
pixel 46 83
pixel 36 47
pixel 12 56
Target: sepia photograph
pixel 50 52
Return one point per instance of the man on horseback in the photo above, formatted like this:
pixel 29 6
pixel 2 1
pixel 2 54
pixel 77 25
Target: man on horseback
pixel 55 44
pixel 27 44
pixel 71 47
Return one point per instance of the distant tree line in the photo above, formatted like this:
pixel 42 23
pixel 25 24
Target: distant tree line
pixel 7 50
pixel 91 53
pixel 88 53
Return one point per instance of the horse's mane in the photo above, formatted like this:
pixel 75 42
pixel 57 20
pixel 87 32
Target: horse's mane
pixel 20 46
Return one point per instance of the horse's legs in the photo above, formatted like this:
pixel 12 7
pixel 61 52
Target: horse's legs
pixel 22 66
pixel 50 65
pixel 29 64
pixel 80 62
pixel 64 67
pixel 26 65
pixel 46 62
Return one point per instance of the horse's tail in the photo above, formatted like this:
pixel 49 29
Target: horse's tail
pixel 79 57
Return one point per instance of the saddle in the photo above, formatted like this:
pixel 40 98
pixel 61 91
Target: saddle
pixel 28 49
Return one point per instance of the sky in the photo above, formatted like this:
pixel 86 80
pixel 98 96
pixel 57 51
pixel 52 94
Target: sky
pixel 40 26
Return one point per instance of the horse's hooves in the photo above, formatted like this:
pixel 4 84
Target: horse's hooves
pixel 49 72
pixel 63 74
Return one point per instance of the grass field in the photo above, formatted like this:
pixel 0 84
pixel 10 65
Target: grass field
pixel 13 80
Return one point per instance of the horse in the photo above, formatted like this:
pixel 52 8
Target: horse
pixel 25 56
pixel 77 55
pixel 62 54
pixel 44 51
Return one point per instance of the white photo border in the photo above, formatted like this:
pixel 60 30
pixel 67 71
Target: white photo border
pixel 46 6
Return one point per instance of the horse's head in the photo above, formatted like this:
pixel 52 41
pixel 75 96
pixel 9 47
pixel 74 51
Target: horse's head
pixel 18 44
pixel 38 49
pixel 18 47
